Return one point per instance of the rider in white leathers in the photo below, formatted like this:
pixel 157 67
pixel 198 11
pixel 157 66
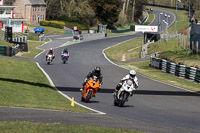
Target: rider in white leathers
pixel 132 76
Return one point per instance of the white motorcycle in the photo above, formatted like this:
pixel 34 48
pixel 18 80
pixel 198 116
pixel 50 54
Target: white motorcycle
pixel 65 57
pixel 124 92
pixel 49 58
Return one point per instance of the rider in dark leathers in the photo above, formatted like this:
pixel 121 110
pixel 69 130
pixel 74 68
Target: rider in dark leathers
pixel 96 72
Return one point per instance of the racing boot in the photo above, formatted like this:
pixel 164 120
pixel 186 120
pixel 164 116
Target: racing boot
pixel 115 93
pixel 81 89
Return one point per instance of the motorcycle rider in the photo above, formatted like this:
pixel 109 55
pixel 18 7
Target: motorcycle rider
pixel 132 76
pixel 50 52
pixel 65 51
pixel 96 72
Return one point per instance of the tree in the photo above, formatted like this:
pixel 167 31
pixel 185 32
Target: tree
pixel 53 9
pixel 133 11
pixel 9 2
pixel 83 12
pixel 124 6
pixel 107 11
pixel 71 10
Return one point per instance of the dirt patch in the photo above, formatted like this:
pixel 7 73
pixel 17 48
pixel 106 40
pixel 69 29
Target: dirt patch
pixel 21 53
pixel 134 48
pixel 124 57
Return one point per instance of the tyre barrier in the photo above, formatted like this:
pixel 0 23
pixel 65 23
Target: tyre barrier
pixel 8 51
pixel 183 71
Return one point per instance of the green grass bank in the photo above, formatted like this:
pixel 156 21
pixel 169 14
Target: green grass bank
pixel 24 85
pixel 130 50
pixel 29 127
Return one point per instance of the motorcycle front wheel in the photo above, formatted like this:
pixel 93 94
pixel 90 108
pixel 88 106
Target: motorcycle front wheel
pixel 88 96
pixel 116 102
pixel 122 100
pixel 82 99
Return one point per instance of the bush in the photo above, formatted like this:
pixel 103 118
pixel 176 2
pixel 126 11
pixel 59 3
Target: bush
pixel 56 24
pixel 79 26
pixel 60 24
pixel 64 17
pixel 32 37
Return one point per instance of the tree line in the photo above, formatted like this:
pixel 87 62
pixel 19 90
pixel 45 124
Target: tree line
pixel 110 12
pixel 91 12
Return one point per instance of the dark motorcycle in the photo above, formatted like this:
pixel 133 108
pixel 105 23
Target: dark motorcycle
pixel 65 57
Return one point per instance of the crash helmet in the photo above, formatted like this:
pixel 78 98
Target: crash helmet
pixel 51 50
pixel 97 71
pixel 65 50
pixel 132 73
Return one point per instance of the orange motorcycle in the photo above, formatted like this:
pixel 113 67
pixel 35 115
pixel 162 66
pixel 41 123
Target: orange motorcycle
pixel 90 89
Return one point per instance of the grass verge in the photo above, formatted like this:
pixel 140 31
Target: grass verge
pixel 120 31
pixel 167 52
pixel 128 50
pixel 48 30
pixel 182 19
pixel 23 84
pixel 7 44
pixel 24 127
pixel 32 51
pixel 117 52
pixel 167 49
pixel 151 18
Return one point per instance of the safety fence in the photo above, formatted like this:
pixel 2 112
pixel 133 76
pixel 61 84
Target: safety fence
pixel 8 51
pixel 183 71
pixel 145 18
pixel 68 31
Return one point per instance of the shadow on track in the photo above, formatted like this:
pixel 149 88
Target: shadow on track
pixel 73 89
pixel 138 92
pixel 171 93
pixel 25 82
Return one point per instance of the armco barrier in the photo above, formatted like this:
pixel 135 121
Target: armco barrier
pixel 183 71
pixel 8 51
pixel 1 50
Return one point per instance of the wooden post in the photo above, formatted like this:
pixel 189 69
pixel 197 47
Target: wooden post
pixel 184 41
pixel 192 47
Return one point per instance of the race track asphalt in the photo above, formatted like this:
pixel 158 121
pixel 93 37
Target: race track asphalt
pixel 155 107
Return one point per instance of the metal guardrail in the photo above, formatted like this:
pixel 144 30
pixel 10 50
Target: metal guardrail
pixel 8 51
pixel 20 39
pixel 183 71
pixel 68 31
pixel 145 18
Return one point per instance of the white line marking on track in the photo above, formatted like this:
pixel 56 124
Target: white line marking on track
pixel 70 99
pixel 40 109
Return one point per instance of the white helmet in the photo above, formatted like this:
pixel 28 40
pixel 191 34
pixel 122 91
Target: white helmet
pixel 132 73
